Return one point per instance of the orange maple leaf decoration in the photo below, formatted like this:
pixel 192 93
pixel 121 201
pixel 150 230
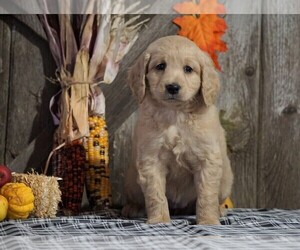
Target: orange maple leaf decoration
pixel 205 30
pixel 203 7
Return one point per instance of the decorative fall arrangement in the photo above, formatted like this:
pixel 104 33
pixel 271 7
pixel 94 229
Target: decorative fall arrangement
pixel 24 195
pixel 16 199
pixel 87 50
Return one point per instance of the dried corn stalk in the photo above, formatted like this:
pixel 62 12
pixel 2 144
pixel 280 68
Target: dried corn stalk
pixel 87 50
pixel 46 192
pixel 102 41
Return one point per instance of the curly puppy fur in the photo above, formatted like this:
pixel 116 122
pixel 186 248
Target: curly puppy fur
pixel 179 148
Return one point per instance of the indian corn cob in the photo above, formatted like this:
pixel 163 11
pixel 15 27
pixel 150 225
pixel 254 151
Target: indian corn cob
pixel 69 164
pixel 97 169
pixel 85 161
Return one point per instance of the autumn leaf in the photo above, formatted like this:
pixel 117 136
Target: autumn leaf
pixel 203 27
pixel 206 31
pixel 203 7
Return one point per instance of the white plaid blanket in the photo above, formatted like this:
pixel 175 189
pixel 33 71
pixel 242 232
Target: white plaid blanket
pixel 241 229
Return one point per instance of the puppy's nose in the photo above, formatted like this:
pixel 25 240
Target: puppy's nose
pixel 173 88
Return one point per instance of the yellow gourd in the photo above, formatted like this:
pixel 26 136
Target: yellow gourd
pixel 3 207
pixel 20 200
pixel 227 203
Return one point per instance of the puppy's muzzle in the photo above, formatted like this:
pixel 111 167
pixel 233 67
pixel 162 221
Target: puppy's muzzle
pixel 173 88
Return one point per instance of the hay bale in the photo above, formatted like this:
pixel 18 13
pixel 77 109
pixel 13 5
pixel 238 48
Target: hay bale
pixel 46 191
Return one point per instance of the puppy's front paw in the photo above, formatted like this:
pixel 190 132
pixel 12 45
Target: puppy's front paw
pixel 223 211
pixel 208 222
pixel 159 219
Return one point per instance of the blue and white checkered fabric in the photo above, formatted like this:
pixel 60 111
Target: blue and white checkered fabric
pixel 241 229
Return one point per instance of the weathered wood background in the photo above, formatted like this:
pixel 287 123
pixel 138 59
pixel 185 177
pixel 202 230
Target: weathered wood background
pixel 259 103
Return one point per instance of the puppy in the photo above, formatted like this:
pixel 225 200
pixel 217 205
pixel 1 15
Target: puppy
pixel 179 148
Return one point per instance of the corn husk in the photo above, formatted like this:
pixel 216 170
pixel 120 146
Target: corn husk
pixel 87 50
pixel 47 194
pixel 91 48
pixel 75 97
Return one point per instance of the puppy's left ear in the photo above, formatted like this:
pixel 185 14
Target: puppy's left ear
pixel 137 76
pixel 210 84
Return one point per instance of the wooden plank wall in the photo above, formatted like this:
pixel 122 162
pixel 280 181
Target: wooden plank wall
pixel 259 103
pixel 26 63
pixel 279 147
pixel 5 43
pixel 238 102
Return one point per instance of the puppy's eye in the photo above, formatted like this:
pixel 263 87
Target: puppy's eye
pixel 161 66
pixel 187 69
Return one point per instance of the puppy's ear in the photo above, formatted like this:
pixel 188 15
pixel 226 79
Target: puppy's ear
pixel 137 76
pixel 210 84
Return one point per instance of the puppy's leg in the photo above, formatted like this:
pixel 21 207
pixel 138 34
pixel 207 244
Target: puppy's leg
pixel 227 176
pixel 152 179
pixel 135 202
pixel 207 181
pixel 226 184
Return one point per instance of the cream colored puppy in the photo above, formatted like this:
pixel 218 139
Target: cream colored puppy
pixel 179 148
